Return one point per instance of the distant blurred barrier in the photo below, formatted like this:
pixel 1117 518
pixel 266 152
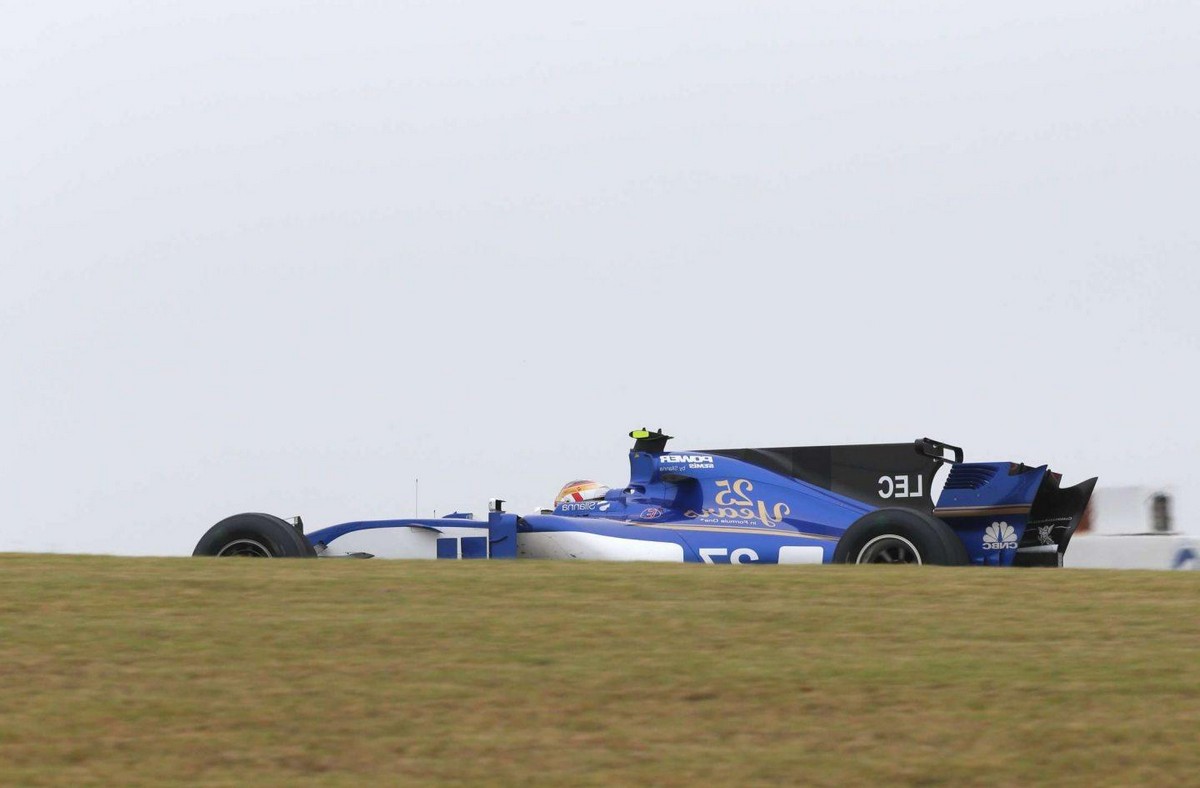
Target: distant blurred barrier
pixel 1140 551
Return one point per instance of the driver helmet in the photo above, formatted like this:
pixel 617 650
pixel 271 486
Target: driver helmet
pixel 580 490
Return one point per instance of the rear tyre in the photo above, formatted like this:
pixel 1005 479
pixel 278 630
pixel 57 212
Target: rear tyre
pixel 899 536
pixel 254 536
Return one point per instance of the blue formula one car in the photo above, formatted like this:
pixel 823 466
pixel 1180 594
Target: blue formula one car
pixel 795 505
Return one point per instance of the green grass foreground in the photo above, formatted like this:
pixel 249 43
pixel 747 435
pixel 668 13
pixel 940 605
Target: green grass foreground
pixel 139 671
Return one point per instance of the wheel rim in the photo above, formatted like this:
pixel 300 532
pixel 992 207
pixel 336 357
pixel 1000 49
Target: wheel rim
pixel 244 548
pixel 889 549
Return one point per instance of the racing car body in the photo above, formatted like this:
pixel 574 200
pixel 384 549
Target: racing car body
pixel 792 505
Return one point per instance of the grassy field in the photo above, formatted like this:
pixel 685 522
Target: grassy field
pixel 141 671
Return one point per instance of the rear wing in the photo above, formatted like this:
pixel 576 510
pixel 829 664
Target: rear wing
pixel 1056 514
pixel 1011 514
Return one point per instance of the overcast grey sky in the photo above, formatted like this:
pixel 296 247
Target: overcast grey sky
pixel 287 256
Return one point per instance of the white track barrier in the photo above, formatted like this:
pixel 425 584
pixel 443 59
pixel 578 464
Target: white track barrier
pixel 1134 551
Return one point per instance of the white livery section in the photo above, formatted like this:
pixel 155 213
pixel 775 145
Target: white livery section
pixel 410 542
pixel 797 554
pixel 595 547
pixel 448 542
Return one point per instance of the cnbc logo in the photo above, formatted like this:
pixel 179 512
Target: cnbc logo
pixel 999 536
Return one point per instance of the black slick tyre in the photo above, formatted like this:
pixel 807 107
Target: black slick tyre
pixel 254 535
pixel 899 536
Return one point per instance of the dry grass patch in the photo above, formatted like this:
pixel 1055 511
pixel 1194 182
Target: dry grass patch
pixel 143 671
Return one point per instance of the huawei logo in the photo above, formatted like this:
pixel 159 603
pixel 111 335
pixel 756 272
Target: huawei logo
pixel 999 536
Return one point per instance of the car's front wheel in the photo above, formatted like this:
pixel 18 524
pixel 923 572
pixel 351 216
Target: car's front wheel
pixel 899 536
pixel 254 536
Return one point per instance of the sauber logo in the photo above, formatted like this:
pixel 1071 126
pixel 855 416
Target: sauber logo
pixel 674 459
pixel 584 506
pixel 999 536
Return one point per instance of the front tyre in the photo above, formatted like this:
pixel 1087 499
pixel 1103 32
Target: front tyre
pixel 899 536
pixel 254 536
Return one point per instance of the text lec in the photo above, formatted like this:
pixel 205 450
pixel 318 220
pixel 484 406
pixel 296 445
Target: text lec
pixel 902 486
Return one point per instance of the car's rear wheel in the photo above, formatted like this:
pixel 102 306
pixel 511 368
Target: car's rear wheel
pixel 254 536
pixel 899 536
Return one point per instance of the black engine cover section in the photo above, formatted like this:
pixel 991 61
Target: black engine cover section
pixel 881 474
